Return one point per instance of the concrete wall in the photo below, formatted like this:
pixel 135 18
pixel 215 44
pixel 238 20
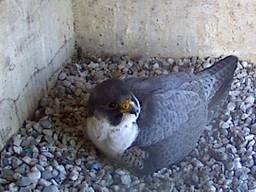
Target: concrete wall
pixel 167 28
pixel 36 38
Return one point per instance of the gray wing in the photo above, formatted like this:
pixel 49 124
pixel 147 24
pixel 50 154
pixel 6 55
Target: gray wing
pixel 163 113
pixel 167 102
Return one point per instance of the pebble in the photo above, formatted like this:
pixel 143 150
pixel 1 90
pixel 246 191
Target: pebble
pixel 17 140
pixel 34 175
pixel 253 129
pixel 225 125
pixel 47 174
pixel 73 175
pixel 231 106
pixel 78 92
pixel 24 181
pixel 175 68
pixel 170 60
pixel 93 65
pixel 207 65
pixel 37 127
pixel 126 180
pixel 48 132
pixel 46 123
pixel 95 167
pixel 27 159
pixel 13 187
pixel 62 76
pixel 244 64
pixel 218 155
pixel 51 188
pixel 7 174
pixel 237 163
pixel 17 149
pixel 47 154
pixel 44 182
pixel 250 99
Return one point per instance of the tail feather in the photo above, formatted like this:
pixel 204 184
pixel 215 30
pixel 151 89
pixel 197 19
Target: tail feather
pixel 217 81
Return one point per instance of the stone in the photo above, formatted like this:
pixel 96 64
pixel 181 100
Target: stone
pixel 244 64
pixel 17 149
pixel 237 163
pixel 24 181
pixel 253 128
pixel 48 132
pixel 170 60
pixel 44 182
pixel 47 154
pixel 93 65
pixel 231 106
pixel 122 65
pixel 250 99
pixel 126 180
pixel 7 174
pixel 46 123
pixel 17 140
pixel 225 125
pixel 62 76
pixel 22 168
pixel 78 92
pixel 207 65
pixel 51 188
pixel 13 187
pixel 37 127
pixel 218 155
pixel 175 68
pixel 34 175
pixel 26 159
pixel 73 175
pixel 47 174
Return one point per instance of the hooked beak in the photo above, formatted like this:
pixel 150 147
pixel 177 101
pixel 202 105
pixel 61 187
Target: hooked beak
pixel 134 110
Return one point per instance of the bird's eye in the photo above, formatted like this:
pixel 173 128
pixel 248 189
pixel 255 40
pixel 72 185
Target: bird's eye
pixel 112 105
pixel 126 106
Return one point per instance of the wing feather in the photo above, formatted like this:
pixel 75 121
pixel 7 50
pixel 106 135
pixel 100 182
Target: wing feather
pixel 164 113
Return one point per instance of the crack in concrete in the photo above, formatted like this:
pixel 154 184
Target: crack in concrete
pixel 15 106
pixel 13 101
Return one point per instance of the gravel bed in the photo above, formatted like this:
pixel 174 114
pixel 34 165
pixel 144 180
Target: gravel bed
pixel 50 153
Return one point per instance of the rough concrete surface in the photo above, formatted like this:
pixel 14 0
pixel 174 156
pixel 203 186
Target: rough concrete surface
pixel 36 38
pixel 167 28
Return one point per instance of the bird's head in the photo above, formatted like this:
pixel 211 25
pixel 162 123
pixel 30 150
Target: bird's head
pixel 112 99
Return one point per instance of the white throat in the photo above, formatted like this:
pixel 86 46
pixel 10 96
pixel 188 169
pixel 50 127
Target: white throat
pixel 112 140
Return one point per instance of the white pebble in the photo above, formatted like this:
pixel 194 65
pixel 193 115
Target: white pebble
pixel 231 106
pixel 244 64
pixel 17 149
pixel 250 99
pixel 44 182
pixel 35 175
pixel 238 164
pixel 225 125
pixel 170 60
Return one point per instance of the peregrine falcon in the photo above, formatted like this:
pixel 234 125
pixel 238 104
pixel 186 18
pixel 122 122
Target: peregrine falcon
pixel 149 123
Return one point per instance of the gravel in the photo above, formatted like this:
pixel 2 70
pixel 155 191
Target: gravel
pixel 51 188
pixel 51 154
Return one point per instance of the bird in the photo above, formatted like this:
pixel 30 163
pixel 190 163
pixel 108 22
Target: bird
pixel 150 123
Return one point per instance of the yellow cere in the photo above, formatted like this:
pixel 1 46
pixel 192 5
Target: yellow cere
pixel 126 105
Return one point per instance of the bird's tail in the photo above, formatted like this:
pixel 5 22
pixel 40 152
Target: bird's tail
pixel 217 81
